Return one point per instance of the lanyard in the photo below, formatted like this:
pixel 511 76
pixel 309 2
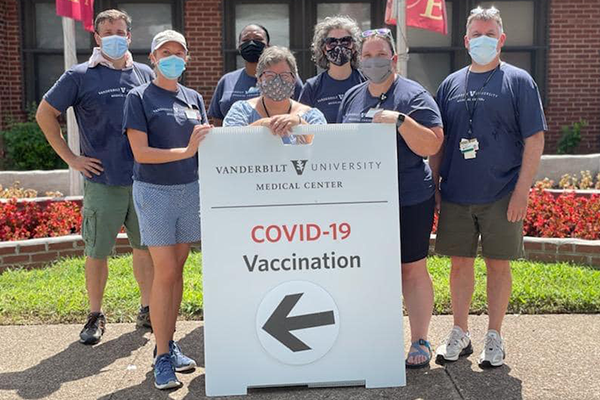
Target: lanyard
pixel 262 99
pixel 382 98
pixel 471 111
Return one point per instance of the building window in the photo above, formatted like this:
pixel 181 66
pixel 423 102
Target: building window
pixel 290 23
pixel 43 37
pixel 433 56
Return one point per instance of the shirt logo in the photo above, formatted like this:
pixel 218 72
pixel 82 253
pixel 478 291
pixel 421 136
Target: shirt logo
pixel 299 166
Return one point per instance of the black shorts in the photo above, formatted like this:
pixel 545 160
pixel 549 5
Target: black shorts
pixel 416 222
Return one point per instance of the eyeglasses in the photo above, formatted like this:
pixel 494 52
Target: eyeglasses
pixel 331 42
pixel 284 76
pixel 378 32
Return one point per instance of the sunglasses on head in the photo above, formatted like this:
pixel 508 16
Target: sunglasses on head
pixel 377 32
pixel 345 41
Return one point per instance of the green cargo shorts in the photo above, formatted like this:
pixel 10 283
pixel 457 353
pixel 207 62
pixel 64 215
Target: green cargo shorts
pixel 460 226
pixel 105 210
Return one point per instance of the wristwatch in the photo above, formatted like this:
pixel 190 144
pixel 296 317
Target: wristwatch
pixel 400 120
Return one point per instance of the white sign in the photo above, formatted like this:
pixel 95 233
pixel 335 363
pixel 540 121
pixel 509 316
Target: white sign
pixel 301 259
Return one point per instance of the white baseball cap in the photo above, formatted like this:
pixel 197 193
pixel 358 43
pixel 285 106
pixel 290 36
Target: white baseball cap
pixel 167 36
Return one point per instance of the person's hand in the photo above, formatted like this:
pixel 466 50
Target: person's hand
pixel 87 165
pixel 281 125
pixel 517 207
pixel 198 135
pixel 386 117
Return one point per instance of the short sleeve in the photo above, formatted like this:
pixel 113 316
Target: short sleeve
pixel 238 115
pixel 306 96
pixel 133 114
pixel 314 116
pixel 440 99
pixel 298 88
pixel 65 91
pixel 214 111
pixel 423 109
pixel 529 108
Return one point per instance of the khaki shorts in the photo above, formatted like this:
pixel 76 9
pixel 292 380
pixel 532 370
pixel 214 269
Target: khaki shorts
pixel 460 226
pixel 105 210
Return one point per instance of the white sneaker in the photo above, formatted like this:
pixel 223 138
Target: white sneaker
pixel 493 353
pixel 456 345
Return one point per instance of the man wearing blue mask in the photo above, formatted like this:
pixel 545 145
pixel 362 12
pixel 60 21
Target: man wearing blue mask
pixel 494 127
pixel 97 90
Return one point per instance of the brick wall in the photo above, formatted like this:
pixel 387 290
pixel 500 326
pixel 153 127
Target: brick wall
pixel 203 31
pixel 574 71
pixel 36 253
pixel 11 88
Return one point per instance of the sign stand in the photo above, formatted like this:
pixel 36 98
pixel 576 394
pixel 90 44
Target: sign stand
pixel 301 259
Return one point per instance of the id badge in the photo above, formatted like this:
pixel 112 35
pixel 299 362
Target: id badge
pixel 371 113
pixel 192 113
pixel 469 148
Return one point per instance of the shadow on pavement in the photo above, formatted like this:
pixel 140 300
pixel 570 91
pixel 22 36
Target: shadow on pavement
pixel 475 383
pixel 427 384
pixel 76 362
pixel 192 345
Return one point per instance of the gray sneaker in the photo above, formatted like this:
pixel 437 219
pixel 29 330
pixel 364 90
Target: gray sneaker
pixel 493 353
pixel 93 329
pixel 456 345
pixel 143 318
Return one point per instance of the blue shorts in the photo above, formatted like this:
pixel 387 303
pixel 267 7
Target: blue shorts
pixel 168 214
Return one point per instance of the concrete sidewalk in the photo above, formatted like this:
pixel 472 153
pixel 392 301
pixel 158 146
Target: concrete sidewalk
pixel 549 357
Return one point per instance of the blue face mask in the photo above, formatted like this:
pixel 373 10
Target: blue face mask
pixel 171 67
pixel 115 46
pixel 483 49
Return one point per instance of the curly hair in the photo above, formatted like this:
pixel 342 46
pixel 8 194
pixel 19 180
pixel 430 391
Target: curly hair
pixel 323 28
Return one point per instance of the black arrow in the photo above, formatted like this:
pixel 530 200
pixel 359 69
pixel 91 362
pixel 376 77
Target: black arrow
pixel 279 324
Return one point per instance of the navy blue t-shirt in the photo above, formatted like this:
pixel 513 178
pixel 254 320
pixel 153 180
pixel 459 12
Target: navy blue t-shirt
pixel 326 94
pixel 162 115
pixel 97 96
pixel 508 111
pixel 407 97
pixel 234 86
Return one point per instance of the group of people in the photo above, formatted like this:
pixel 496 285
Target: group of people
pixel 140 131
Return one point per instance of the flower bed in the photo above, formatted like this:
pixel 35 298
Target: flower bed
pixel 567 214
pixel 29 220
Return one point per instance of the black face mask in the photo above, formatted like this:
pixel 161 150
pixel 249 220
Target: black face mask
pixel 251 50
pixel 339 55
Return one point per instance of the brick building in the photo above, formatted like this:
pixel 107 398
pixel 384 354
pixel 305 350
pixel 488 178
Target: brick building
pixel 558 41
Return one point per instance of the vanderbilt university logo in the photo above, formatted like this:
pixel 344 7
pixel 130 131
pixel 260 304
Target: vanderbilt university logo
pixel 299 165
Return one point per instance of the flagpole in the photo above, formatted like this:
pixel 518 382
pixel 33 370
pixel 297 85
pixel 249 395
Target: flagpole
pixel 401 41
pixel 75 179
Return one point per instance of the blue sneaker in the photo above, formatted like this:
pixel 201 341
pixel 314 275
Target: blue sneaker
pixel 164 373
pixel 180 361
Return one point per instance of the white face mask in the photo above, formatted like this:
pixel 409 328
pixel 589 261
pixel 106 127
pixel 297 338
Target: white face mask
pixel 483 49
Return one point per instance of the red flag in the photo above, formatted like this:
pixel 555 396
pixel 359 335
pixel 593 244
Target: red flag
pixel 80 10
pixel 425 14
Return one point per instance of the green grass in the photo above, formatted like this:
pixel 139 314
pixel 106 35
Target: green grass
pixel 57 294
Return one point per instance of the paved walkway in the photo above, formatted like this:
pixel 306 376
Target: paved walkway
pixel 549 357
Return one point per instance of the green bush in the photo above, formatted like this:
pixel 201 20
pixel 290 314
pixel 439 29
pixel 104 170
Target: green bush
pixel 571 136
pixel 26 147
